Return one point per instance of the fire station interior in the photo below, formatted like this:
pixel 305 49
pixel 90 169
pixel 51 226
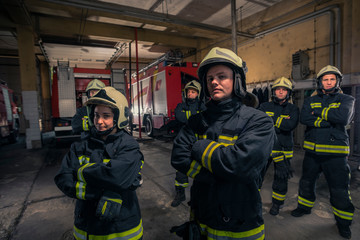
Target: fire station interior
pixel 51 49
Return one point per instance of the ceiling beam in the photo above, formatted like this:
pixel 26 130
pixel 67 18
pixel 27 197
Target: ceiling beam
pixel 65 27
pixel 144 14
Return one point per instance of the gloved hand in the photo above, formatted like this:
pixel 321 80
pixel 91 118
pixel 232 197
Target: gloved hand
pixel 109 207
pixel 198 124
pixel 288 165
pixel 281 170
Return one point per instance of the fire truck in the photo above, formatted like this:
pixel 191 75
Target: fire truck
pixel 68 93
pixel 9 118
pixel 156 93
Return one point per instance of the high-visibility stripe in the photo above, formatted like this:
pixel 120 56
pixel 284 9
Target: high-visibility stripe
pixel 288 154
pixel 80 172
pixel 332 149
pixel 270 114
pixel 278 196
pixel 194 170
pixel 132 234
pixel 253 234
pixel 318 122
pixel 279 158
pixel 80 190
pixel 227 140
pixel 85 124
pixel 188 114
pixel 184 185
pixel 103 208
pixel 315 105
pixel 83 159
pixel 106 161
pixel 343 214
pixel 309 145
pixel 305 202
pixel 207 154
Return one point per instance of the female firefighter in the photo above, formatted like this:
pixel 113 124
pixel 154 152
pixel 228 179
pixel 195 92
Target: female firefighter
pixel 285 116
pixel 326 145
pixel 191 106
pixel 103 172
pixel 224 149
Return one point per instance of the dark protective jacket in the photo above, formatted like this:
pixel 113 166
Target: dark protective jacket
pixel 184 110
pixel 225 158
pixel 325 117
pixel 93 167
pixel 79 121
pixel 285 118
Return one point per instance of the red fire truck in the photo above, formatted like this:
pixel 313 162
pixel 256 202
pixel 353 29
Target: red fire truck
pixel 159 92
pixel 9 118
pixel 68 93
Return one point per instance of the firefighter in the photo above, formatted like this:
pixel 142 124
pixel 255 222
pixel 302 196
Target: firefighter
pixel 325 114
pixel 183 111
pixel 224 149
pixel 79 122
pixel 103 172
pixel 285 116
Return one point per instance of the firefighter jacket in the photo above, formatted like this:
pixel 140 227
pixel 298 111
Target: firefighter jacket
pixel 224 149
pixel 79 122
pixel 285 118
pixel 325 117
pixel 93 167
pixel 184 110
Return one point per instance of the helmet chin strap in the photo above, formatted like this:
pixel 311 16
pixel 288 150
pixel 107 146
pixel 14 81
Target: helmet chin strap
pixel 107 131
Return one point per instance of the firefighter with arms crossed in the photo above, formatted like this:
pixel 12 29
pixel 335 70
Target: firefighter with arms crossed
pixel 325 114
pixel 191 106
pixel 79 122
pixel 224 149
pixel 285 116
pixel 103 172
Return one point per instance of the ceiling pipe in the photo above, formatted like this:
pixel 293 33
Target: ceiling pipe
pixel 144 14
pixel 233 26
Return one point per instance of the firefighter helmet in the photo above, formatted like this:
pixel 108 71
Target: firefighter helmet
pixel 110 97
pixel 329 70
pixel 193 84
pixel 281 82
pixel 223 56
pixel 95 85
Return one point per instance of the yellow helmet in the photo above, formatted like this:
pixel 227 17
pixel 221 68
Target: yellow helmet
pixel 95 85
pixel 329 70
pixel 223 56
pixel 109 96
pixel 281 82
pixel 193 84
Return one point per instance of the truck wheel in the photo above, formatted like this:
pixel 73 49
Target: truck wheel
pixel 149 126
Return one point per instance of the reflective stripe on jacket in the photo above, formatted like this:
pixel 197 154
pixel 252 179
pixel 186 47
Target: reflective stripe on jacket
pixel 93 166
pixel 226 164
pixel 325 117
pixel 285 118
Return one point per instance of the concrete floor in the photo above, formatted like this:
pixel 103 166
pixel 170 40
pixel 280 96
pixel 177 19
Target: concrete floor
pixel 31 206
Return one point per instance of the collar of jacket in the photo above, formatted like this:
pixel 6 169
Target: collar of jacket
pixel 222 110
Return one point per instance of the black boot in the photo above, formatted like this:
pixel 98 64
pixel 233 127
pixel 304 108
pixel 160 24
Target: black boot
pixel 299 212
pixel 344 230
pixel 274 209
pixel 180 196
